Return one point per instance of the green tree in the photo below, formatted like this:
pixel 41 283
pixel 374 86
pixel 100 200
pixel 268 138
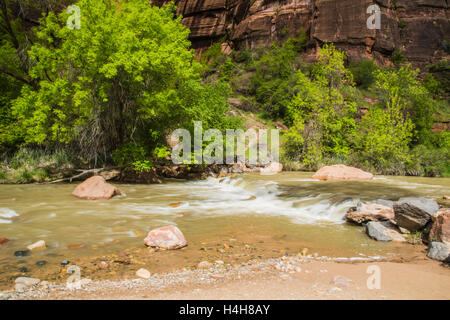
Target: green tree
pixel 126 75
pixel 321 117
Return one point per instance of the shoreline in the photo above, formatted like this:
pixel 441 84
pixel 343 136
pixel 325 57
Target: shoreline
pixel 294 277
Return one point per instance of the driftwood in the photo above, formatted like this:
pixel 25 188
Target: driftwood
pixel 82 174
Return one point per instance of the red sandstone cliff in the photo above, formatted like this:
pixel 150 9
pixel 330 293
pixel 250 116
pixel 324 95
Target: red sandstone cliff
pixel 420 28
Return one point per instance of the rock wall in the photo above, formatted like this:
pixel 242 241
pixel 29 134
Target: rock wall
pixel 420 28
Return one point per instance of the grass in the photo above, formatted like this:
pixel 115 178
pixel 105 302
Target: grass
pixel 29 165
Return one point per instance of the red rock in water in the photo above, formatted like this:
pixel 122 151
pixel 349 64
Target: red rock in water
pixel 169 237
pixel 370 212
pixel 342 172
pixel 3 242
pixel 95 188
pixel 440 231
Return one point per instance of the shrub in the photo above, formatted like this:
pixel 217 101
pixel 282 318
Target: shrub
pixel 364 73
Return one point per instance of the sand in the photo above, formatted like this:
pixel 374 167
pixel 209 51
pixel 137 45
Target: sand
pixel 299 278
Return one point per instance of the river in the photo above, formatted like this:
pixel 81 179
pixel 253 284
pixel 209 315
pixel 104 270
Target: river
pixel 235 219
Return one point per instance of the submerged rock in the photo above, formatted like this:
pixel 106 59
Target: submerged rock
pixel 342 172
pixel 169 237
pixel 440 231
pixel 22 253
pixel 438 251
pixel 40 245
pixel 95 188
pixel 370 212
pixel 414 213
pixel 384 231
pixel 3 242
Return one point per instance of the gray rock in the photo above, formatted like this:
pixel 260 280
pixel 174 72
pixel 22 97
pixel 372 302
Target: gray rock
pixel 378 231
pixel 438 251
pixel 414 213
pixel 387 203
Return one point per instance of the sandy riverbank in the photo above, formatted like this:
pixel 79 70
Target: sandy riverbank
pixel 285 278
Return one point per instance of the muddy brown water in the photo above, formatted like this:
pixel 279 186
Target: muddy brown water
pixel 230 219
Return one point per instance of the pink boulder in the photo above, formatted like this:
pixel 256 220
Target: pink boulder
pixel 95 188
pixel 440 230
pixel 169 237
pixel 370 212
pixel 342 172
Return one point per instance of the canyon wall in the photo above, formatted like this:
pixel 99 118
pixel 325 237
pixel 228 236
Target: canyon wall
pixel 418 28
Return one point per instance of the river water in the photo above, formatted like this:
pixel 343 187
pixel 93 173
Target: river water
pixel 235 219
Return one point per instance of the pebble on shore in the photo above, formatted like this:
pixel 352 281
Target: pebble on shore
pixel 143 273
pixel 37 245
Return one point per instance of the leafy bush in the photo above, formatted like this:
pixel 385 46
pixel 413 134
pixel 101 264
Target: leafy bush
pixel 364 73
pixel 321 118
pixel 398 57
pixel 129 153
pixel 142 166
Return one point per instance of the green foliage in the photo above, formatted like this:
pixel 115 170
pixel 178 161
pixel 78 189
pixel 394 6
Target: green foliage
pixel 441 73
pixel 430 162
pixel 126 73
pixel 274 78
pixel 403 86
pixel 382 138
pixel 35 165
pixel 321 117
pixel 398 57
pixel 364 73
pixel 161 152
pixel 142 166
pixel 129 153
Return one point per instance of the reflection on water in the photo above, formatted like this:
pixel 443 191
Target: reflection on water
pixel 285 211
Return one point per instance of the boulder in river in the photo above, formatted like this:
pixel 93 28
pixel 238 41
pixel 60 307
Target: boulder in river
pixel 37 245
pixel 414 213
pixel 169 237
pixel 370 212
pixel 95 188
pixel 341 172
pixel 438 251
pixel 440 231
pixel 377 231
pixel 3 242
pixel 384 231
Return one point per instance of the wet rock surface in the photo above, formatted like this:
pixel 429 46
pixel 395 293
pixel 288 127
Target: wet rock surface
pixel 169 237
pixel 95 188
pixel 417 27
pixel 414 213
pixel 341 172
pixel 369 212
pixel 440 230
pixel 438 251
